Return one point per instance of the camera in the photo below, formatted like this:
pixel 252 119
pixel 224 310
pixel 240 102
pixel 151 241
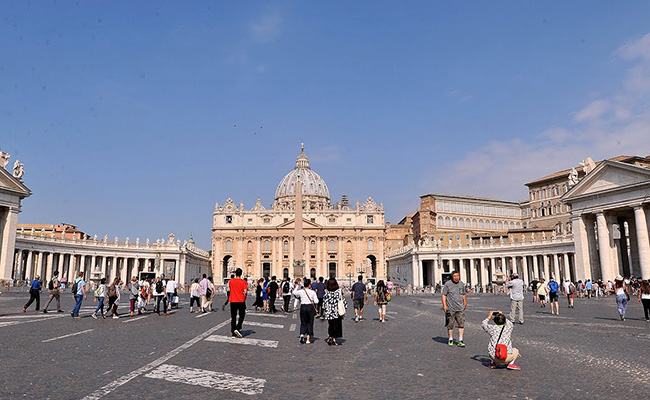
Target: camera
pixel 496 312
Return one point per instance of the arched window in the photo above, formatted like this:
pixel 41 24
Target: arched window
pixel 468 223
pixel 249 246
pixel 461 223
pixel 348 245
pixel 474 223
pixel 512 225
pixel 267 245
pixel 286 245
pixel 441 221
pixel 447 221
pixel 500 225
pixel 481 224
pixel 332 245
pixel 454 222
pixel 228 245
pixel 518 225
pixel 494 224
pixel 371 245
pixel 312 245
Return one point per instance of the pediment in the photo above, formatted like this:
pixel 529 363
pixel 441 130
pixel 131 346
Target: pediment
pixel 609 176
pixel 10 184
pixel 291 224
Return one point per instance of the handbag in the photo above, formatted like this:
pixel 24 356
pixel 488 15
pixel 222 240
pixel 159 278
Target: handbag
pixel 501 351
pixel 341 305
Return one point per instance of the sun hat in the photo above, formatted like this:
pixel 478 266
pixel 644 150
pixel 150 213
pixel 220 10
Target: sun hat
pixel 618 278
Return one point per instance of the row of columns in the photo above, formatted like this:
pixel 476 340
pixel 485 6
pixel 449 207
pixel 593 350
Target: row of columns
pixel 484 270
pixel 605 248
pixel 29 263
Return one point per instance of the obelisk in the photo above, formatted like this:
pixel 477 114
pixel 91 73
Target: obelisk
pixel 298 248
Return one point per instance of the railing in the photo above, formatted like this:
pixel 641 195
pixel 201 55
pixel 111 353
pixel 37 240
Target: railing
pixel 500 243
pixel 160 244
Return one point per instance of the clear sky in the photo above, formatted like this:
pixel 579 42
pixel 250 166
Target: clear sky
pixel 134 118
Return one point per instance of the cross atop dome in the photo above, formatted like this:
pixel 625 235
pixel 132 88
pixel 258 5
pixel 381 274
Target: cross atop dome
pixel 302 161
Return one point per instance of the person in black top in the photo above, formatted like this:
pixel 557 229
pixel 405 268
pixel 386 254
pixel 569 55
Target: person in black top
pixel 274 289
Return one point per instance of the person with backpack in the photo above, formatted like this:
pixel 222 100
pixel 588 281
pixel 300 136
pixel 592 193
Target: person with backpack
pixel 159 296
pixel 134 289
pixel 500 347
pixel 113 296
pixel 100 296
pixel 381 299
pixel 34 293
pixel 286 294
pixel 553 296
pixel 569 289
pixel 53 287
pixel 273 291
pixel 78 293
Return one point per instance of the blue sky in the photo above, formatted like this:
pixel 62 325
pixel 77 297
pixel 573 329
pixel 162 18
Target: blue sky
pixel 134 119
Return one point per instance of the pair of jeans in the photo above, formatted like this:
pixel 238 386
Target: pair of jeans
pixel 272 304
pixel 621 300
pixel 307 313
pixel 78 298
pixel 286 299
pixel 111 305
pixel 100 305
pixel 237 308
pixel 164 301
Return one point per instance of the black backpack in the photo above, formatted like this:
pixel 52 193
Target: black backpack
pixel 285 287
pixel 51 284
pixel 75 286
pixel 208 293
pixel 159 286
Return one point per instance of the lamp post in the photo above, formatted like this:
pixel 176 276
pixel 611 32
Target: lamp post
pixel 350 275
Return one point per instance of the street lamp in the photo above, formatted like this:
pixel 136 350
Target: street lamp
pixel 350 275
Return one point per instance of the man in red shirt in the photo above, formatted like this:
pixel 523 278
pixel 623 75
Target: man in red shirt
pixel 238 291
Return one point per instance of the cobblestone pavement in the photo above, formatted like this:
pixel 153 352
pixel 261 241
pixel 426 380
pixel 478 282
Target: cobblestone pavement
pixel 585 352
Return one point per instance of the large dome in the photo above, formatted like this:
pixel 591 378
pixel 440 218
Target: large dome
pixel 312 184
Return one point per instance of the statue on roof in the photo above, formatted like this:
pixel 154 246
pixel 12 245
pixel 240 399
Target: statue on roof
pixel 588 165
pixel 573 177
pixel 4 159
pixel 19 170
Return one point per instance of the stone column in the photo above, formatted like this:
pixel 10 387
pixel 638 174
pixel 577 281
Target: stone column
pixel 556 267
pixel 415 265
pixel 462 270
pixel 29 267
pixel 50 264
pixel 82 265
pixel 104 265
pixel 605 248
pixel 8 244
pixel 484 274
pixel 567 267
pixel 524 267
pixel 581 240
pixel 643 242
pixel 472 271
pixel 536 270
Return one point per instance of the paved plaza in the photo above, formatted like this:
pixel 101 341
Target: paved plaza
pixel 586 352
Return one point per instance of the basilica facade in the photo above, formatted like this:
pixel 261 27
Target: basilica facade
pixel 338 239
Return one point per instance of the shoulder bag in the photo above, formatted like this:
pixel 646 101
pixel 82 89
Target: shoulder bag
pixel 501 350
pixel 340 304
pixel 310 300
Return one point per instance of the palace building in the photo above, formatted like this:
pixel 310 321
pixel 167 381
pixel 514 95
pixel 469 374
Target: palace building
pixel 338 239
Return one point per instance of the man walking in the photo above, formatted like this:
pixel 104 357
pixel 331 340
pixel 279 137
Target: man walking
pixel 359 296
pixel 454 303
pixel 320 293
pixel 34 294
pixel 53 287
pixel 516 287
pixel 553 289
pixel 203 289
pixel 237 299
pixel 79 294
pixel 570 290
pixel 274 290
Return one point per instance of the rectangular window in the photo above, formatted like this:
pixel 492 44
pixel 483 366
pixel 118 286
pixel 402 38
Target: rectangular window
pixel 250 221
pixel 267 220
pixel 229 219
pixel 370 219
pixel 349 220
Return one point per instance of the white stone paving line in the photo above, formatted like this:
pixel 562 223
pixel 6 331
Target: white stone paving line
pixel 209 379
pixel 134 319
pixel 202 315
pixel 292 328
pixel 295 316
pixel 254 314
pixel 9 323
pixel 65 336
pixel 107 389
pixel 245 341
pixel 264 325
